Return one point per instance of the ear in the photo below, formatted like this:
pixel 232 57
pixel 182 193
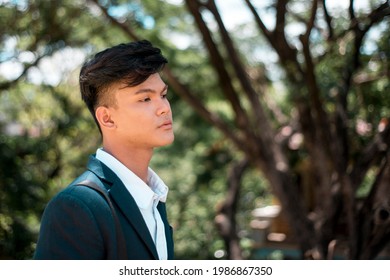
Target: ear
pixel 104 117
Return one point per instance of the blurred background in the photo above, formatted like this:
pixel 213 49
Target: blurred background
pixel 281 116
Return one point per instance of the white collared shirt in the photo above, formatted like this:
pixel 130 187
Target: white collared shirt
pixel 146 197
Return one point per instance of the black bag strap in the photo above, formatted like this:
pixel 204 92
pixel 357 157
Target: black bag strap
pixel 122 253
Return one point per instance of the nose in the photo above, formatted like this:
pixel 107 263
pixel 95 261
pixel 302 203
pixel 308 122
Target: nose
pixel 163 107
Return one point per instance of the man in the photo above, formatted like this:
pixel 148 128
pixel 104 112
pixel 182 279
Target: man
pixel 123 90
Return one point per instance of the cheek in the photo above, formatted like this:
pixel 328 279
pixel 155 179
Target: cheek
pixel 136 124
pixel 135 121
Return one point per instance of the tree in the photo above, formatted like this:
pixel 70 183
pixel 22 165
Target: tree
pixel 338 165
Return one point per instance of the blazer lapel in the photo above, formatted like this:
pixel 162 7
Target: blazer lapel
pixel 130 210
pixel 168 232
pixel 124 201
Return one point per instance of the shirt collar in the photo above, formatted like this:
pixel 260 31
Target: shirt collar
pixel 143 194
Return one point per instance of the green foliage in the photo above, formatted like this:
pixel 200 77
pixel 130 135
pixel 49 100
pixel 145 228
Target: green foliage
pixel 41 151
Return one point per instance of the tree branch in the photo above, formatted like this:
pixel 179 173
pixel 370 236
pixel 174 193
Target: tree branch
pixel 374 216
pixel 372 153
pixel 281 9
pixel 277 39
pixel 265 139
pixel 328 20
pixel 267 33
pixel 351 11
pixel 225 80
pixel 225 219
pixel 127 29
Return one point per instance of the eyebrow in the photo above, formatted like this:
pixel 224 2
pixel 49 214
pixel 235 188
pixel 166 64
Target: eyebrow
pixel 146 90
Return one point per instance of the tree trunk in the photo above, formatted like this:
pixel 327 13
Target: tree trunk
pixel 225 219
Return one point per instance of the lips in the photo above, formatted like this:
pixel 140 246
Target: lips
pixel 166 125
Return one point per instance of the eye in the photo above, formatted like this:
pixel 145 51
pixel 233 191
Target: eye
pixel 164 95
pixel 146 99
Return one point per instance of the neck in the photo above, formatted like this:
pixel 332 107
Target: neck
pixel 137 160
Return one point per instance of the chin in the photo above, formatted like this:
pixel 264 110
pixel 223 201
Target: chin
pixel 167 141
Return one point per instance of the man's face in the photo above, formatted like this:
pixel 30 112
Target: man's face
pixel 142 114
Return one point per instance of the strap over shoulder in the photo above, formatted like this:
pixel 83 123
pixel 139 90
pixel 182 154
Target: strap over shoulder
pixel 122 253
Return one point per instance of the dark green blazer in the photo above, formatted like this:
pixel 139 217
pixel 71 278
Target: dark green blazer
pixel 78 224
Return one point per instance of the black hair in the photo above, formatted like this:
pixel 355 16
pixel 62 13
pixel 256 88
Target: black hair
pixel 130 63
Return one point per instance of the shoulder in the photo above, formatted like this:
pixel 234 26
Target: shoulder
pixel 79 197
pixel 80 193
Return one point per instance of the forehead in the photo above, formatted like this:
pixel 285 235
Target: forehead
pixel 153 83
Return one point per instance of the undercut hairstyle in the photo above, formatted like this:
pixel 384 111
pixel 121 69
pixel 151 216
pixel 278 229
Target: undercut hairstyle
pixel 130 64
